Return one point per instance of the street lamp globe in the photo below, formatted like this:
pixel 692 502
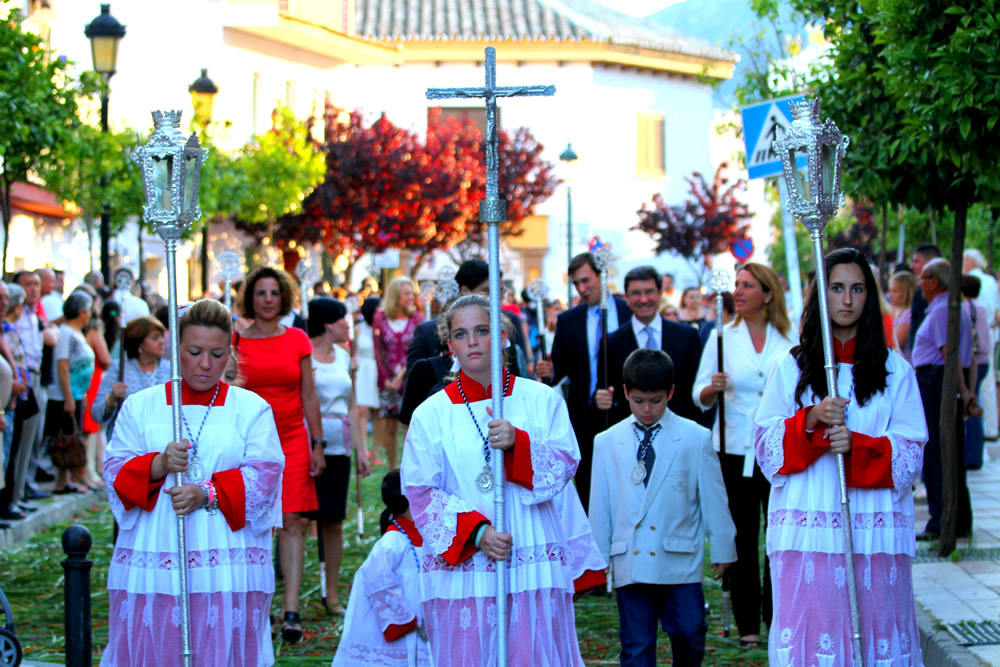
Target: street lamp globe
pixel 203 92
pixel 568 156
pixel 104 33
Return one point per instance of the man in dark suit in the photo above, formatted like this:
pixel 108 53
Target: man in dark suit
pixel 647 328
pixel 473 277
pixel 576 355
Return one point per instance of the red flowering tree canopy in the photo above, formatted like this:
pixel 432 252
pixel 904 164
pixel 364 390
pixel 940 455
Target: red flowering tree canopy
pixel 706 224
pixel 385 188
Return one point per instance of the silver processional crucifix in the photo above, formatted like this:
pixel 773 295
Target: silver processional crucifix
pixel 493 211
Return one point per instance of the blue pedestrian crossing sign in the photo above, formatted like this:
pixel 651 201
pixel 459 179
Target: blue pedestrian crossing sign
pixel 762 124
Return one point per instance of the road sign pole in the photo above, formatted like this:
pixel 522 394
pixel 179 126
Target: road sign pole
pixel 791 250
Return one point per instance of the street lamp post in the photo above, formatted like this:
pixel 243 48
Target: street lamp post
pixel 203 92
pixel 568 157
pixel 104 33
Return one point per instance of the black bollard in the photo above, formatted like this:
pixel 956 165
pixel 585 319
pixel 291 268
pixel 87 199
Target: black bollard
pixel 76 543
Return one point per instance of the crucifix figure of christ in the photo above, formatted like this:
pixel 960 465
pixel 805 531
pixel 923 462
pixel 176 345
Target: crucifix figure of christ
pixel 493 211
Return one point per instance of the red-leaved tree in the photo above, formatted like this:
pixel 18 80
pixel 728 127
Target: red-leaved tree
pixel 704 225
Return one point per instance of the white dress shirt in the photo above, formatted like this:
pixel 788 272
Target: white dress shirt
pixel 748 372
pixel 640 336
pixel 593 341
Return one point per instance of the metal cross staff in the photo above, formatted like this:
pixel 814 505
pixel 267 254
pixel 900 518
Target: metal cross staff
pixel 719 282
pixel 493 211
pixel 231 265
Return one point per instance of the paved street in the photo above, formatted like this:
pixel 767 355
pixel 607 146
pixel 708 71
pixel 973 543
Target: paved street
pixel 969 589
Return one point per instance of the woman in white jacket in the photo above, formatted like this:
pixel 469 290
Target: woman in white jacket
pixel 754 343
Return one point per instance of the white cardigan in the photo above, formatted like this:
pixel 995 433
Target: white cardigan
pixel 748 372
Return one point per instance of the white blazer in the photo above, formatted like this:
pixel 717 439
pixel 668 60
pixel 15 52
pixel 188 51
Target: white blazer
pixel 748 372
pixel 655 534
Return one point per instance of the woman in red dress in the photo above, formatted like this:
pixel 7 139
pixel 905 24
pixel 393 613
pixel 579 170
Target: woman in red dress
pixel 274 362
pixel 392 331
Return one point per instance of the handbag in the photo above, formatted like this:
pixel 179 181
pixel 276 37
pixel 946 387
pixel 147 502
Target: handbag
pixel 69 451
pixel 27 406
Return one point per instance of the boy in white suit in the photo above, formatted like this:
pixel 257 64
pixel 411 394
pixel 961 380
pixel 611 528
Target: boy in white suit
pixel 657 491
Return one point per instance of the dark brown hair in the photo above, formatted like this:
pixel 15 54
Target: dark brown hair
pixel 136 332
pixel 286 287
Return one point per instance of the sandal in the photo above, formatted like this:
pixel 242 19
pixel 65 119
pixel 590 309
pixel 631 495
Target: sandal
pixel 336 608
pixel 749 643
pixel 291 628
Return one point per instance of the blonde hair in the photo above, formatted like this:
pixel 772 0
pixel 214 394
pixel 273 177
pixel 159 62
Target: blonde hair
pixel 775 312
pixel 206 313
pixel 908 282
pixel 477 301
pixel 391 303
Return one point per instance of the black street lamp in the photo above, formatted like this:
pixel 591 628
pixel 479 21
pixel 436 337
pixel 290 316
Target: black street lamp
pixel 104 33
pixel 203 92
pixel 568 157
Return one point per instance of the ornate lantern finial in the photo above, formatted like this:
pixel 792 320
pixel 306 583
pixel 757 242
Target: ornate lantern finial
pixel 814 196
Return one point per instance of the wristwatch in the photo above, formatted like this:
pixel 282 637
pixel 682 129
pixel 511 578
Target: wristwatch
pixel 320 443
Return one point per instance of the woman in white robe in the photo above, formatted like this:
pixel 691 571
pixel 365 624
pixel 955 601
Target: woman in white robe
pixel 231 508
pixel 443 465
pixel 878 425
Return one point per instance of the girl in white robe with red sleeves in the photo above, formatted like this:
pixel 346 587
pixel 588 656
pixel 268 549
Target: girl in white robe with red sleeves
pixel 878 424
pixel 384 625
pixel 545 554
pixel 231 500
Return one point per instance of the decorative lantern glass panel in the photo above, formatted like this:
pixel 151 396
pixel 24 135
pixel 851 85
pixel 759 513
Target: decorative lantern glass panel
pixel 170 173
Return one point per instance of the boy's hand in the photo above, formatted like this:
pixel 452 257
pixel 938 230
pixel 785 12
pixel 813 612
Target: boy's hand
pixel 604 398
pixel 496 545
pixel 719 569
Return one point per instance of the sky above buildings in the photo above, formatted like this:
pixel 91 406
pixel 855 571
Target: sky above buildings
pixel 638 7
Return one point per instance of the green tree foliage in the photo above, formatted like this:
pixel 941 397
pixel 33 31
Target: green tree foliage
pixel 917 82
pixel 38 107
pixel 89 170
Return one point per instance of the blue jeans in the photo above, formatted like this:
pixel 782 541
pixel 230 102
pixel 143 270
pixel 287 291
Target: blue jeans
pixel 679 608
pixel 974 437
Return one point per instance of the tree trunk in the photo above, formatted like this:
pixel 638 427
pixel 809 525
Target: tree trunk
pixel 931 216
pixel 88 223
pixel 349 273
pixel 418 263
pixel 993 235
pixel 951 446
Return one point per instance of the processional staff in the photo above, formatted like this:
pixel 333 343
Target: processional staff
pixel 304 272
pixel 123 285
pixel 230 265
pixel 538 290
pixel 352 307
pixel 171 171
pixel 493 211
pixel 814 199
pixel 719 282
pixel 429 290
pixel 602 258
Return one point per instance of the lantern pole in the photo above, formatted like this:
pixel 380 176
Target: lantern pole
pixel 603 260
pixel 352 307
pixel 171 191
pixel 538 290
pixel 815 206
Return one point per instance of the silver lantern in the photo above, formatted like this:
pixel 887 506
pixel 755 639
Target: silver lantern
pixel 171 170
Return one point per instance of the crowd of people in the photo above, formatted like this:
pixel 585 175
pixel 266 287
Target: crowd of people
pixel 617 467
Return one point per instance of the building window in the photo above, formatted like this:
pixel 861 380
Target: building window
pixel 650 146
pixel 476 114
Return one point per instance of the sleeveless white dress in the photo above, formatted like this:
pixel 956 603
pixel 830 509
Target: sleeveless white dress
pixel 366 380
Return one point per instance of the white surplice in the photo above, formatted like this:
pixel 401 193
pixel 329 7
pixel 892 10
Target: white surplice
pixel 442 457
pixel 805 538
pixel 385 592
pixel 230 574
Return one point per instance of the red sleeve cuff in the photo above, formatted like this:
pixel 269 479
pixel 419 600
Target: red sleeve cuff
pixel 394 632
pixel 517 461
pixel 232 497
pixel 801 447
pixel 589 579
pixel 869 463
pixel 460 549
pixel 133 486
